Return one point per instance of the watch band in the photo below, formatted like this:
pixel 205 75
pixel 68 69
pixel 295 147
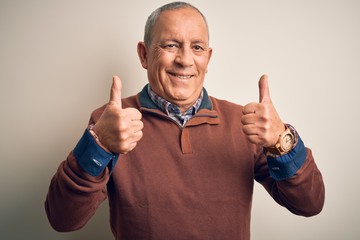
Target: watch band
pixel 278 149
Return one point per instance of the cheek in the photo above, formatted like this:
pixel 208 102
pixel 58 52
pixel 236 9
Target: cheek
pixel 157 63
pixel 203 64
pixel 155 56
pixel 156 70
pixel 158 57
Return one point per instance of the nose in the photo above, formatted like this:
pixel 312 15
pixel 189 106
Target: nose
pixel 184 57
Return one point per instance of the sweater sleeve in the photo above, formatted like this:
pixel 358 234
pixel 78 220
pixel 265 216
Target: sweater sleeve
pixel 79 185
pixel 74 195
pixel 300 188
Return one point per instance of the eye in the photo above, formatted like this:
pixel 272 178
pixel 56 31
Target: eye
pixel 198 48
pixel 170 46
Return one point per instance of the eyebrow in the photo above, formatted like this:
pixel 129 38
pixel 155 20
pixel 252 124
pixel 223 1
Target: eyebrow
pixel 169 40
pixel 177 41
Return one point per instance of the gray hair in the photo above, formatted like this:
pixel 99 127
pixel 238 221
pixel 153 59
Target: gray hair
pixel 150 23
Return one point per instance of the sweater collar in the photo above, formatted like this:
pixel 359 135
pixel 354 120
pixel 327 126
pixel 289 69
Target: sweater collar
pixel 146 102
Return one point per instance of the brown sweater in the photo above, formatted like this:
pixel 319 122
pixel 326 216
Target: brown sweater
pixel 185 183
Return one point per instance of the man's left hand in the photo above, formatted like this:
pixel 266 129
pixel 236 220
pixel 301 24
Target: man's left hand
pixel 262 123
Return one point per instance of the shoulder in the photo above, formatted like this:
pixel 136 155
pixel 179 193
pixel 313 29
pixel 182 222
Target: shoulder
pixel 131 101
pixel 221 105
pixel 229 112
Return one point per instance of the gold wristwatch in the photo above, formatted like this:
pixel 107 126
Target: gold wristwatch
pixel 284 144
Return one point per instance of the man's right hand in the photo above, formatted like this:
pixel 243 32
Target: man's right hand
pixel 119 129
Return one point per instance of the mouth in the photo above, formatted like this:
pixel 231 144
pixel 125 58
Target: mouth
pixel 181 76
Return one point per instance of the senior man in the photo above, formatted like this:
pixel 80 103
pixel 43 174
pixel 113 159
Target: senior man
pixel 174 162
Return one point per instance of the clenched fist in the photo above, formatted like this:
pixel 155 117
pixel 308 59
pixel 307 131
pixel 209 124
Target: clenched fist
pixel 118 129
pixel 262 124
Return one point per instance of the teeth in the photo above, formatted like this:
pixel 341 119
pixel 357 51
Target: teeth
pixel 183 77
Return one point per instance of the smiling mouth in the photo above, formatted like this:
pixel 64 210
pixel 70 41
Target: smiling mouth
pixel 181 76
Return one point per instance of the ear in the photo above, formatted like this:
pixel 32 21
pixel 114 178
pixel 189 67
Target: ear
pixel 142 53
pixel 210 54
pixel 209 57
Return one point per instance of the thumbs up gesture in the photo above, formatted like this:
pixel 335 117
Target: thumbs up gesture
pixel 118 129
pixel 261 123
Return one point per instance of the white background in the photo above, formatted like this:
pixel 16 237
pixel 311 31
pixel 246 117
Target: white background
pixel 57 59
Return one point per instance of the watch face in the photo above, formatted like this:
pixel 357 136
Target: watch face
pixel 287 142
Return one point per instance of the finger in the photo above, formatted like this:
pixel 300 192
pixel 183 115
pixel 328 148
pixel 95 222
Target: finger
pixel 115 93
pixel 250 108
pixel 137 136
pixel 249 119
pixel 255 139
pixel 137 125
pixel 131 142
pixel 264 92
pixel 132 113
pixel 124 149
pixel 250 129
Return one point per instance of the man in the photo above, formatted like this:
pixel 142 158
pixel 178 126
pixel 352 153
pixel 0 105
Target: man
pixel 174 162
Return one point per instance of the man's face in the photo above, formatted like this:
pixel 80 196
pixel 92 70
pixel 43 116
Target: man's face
pixel 178 56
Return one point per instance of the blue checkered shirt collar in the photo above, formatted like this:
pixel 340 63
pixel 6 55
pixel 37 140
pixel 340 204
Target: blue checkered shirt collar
pixel 172 110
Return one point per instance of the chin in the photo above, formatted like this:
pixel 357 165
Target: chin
pixel 181 96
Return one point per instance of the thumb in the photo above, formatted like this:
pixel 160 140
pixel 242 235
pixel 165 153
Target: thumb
pixel 115 93
pixel 264 92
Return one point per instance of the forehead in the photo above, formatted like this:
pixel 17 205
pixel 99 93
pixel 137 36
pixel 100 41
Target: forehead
pixel 181 23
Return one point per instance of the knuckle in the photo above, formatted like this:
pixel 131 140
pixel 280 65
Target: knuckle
pixel 124 137
pixel 242 120
pixel 139 114
pixel 246 129
pixel 127 147
pixel 123 126
pixel 124 147
pixel 267 126
pixel 253 139
pixel 122 114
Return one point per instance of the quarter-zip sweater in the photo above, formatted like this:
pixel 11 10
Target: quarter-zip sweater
pixel 190 182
